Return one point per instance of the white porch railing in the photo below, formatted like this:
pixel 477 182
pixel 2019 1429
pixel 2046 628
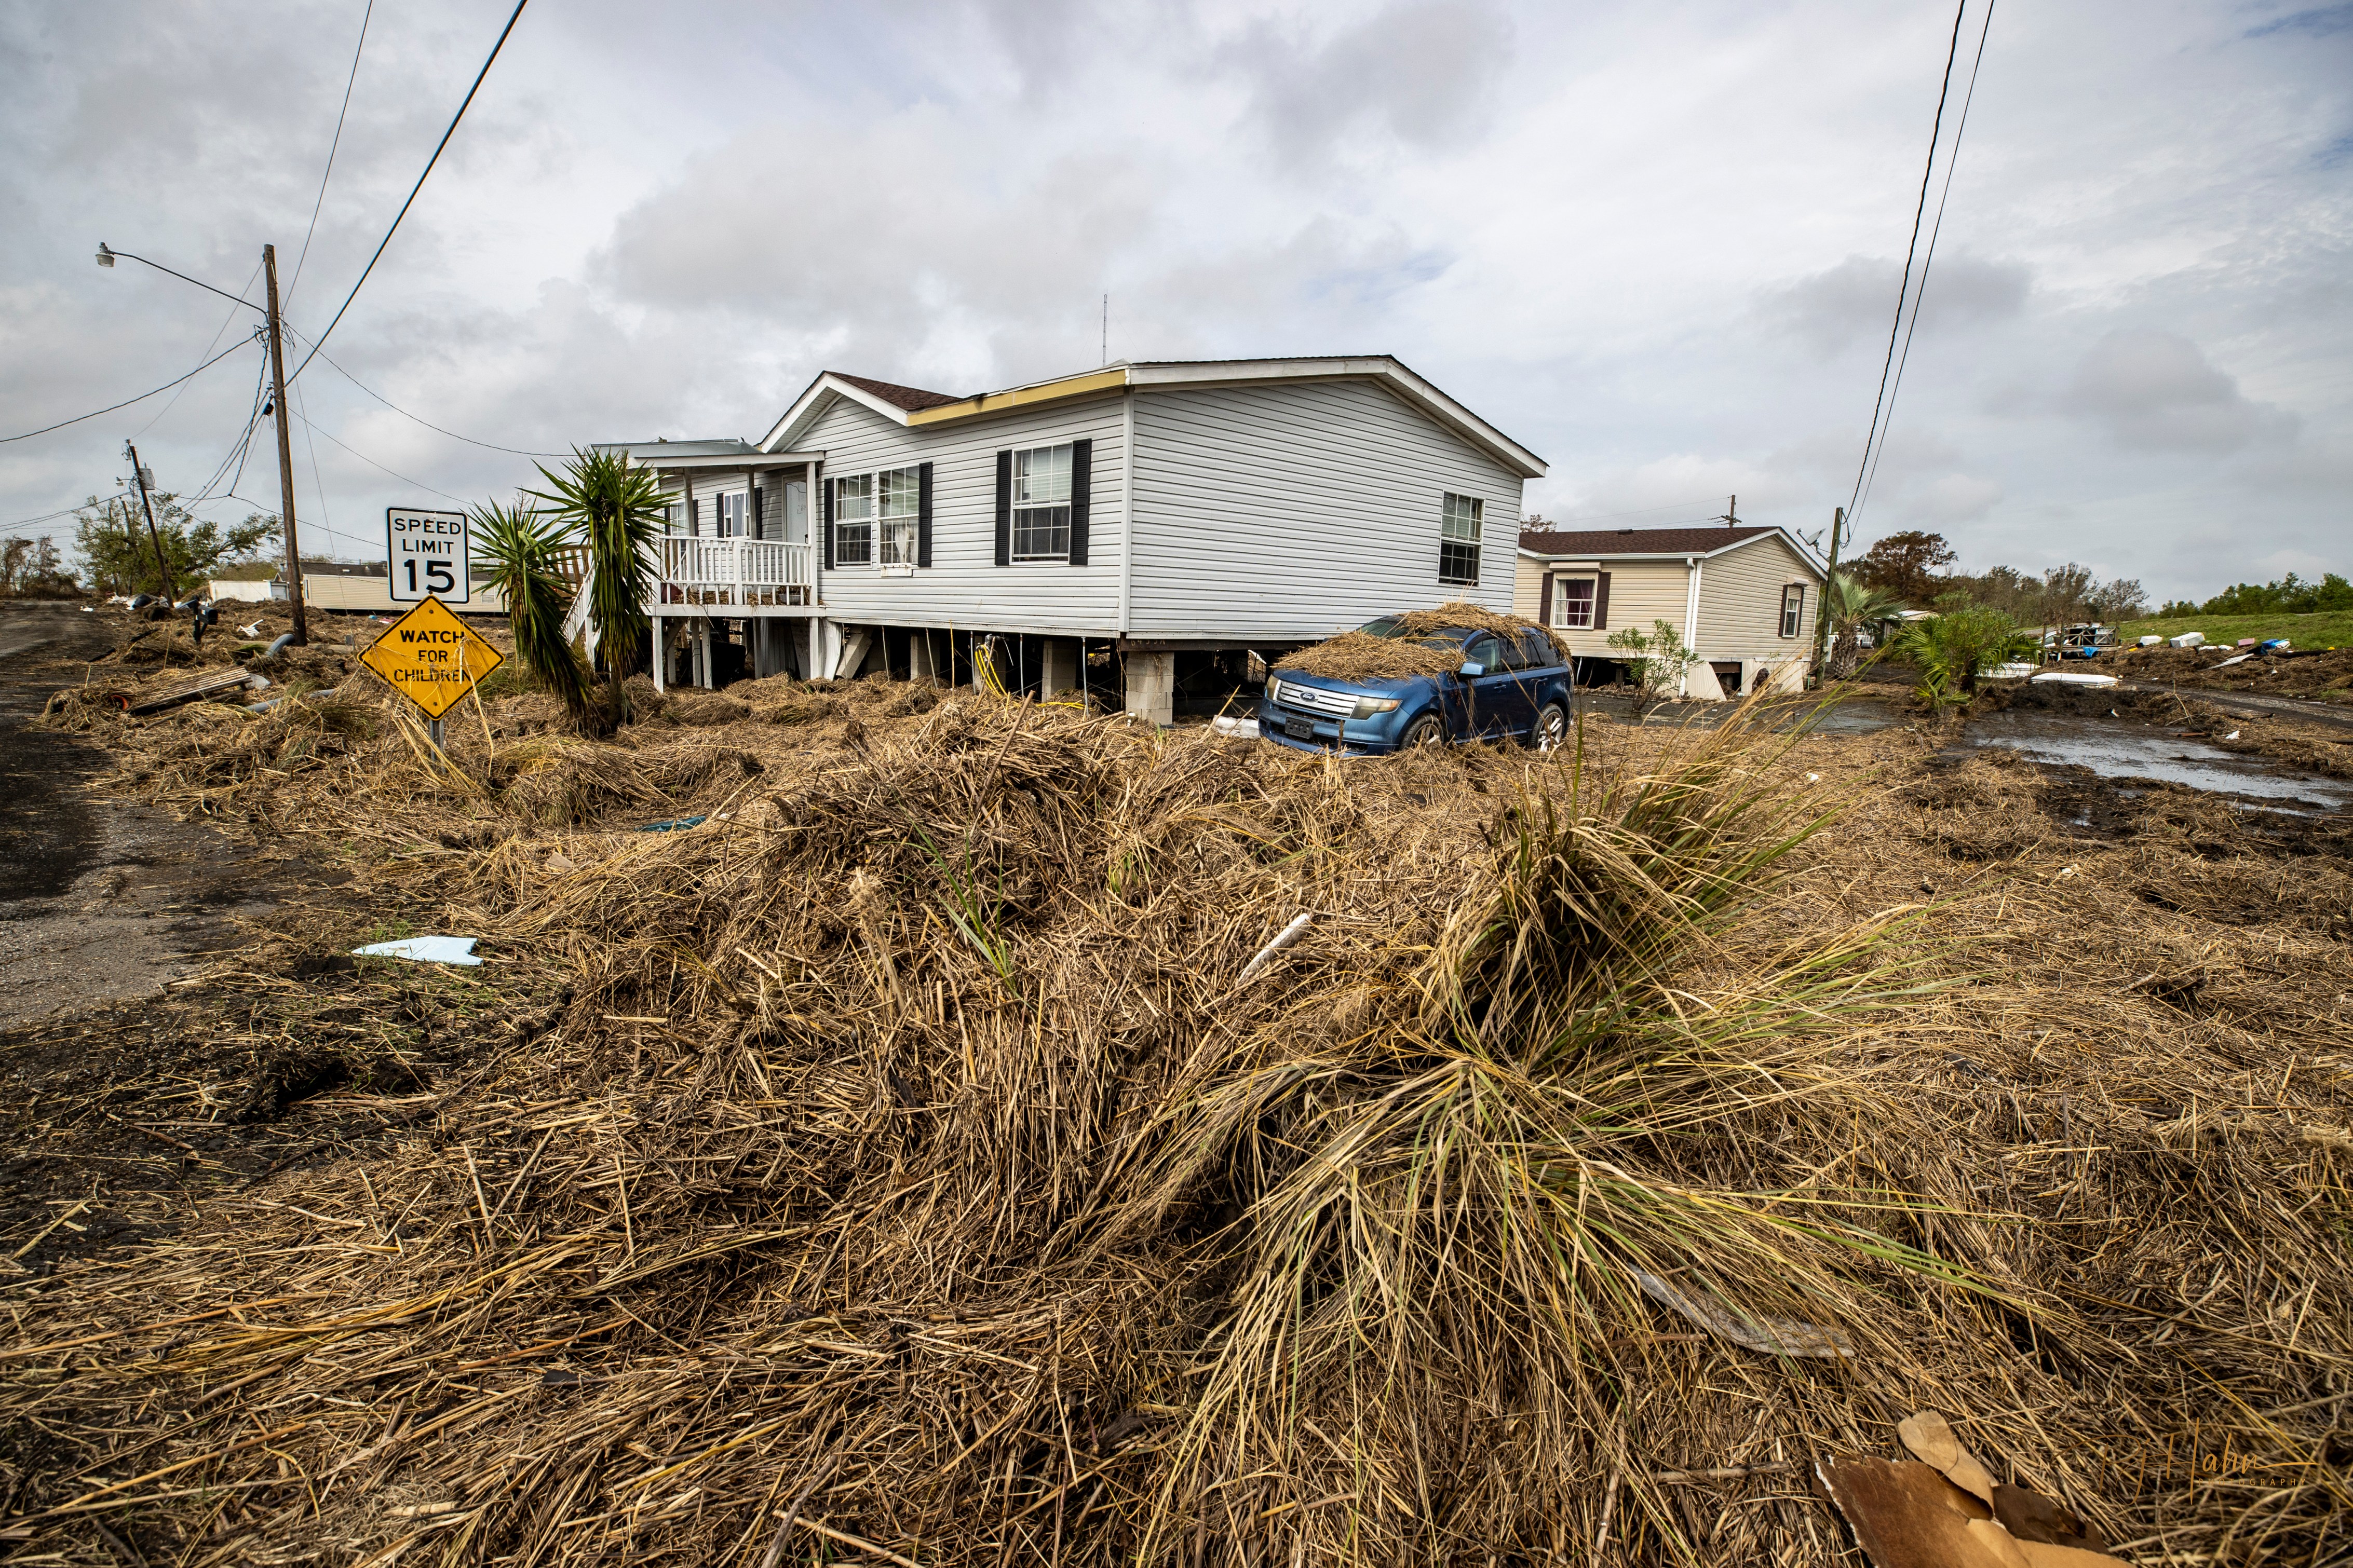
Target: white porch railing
pixel 742 571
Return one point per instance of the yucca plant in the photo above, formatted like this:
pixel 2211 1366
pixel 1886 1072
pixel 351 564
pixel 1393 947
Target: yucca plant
pixel 617 509
pixel 523 547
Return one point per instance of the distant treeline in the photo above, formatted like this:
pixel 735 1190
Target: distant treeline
pixel 1916 568
pixel 2290 596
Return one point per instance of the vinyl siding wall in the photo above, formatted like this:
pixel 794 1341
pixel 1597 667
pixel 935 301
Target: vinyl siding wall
pixel 1640 592
pixel 1299 509
pixel 1740 602
pixel 964 587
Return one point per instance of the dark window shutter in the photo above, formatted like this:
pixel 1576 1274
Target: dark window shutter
pixel 1005 508
pixel 923 514
pixel 752 488
pixel 1601 601
pixel 1083 478
pixel 828 527
pixel 1544 603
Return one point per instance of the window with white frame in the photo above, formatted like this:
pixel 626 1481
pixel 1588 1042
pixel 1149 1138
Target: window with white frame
pixel 853 520
pixel 732 512
pixel 901 489
pixel 1042 503
pixel 1572 602
pixel 1458 539
pixel 1793 609
pixel 674 518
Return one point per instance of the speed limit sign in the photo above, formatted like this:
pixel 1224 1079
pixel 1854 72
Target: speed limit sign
pixel 428 555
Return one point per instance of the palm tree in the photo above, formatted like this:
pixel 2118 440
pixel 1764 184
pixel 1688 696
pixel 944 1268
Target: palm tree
pixel 1849 605
pixel 1954 647
pixel 521 546
pixel 620 509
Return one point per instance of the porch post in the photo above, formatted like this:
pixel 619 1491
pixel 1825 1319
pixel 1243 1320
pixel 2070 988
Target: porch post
pixel 661 682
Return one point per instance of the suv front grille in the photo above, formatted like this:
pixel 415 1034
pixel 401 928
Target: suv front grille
pixel 1316 700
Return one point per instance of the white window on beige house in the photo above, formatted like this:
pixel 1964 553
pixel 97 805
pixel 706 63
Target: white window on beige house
pixel 1572 602
pixel 1793 609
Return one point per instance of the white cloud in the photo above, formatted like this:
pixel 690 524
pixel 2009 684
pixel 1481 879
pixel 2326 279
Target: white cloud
pixel 2154 391
pixel 1658 245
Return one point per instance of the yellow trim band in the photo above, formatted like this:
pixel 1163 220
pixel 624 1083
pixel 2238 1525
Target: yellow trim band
pixel 999 402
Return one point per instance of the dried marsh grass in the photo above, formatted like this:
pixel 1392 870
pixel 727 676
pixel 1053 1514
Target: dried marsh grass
pixel 913 1178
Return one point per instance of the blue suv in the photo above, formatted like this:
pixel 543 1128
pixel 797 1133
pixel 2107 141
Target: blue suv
pixel 1516 687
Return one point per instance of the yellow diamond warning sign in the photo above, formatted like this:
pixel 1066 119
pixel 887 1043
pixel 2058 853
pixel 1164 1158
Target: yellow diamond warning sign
pixel 430 658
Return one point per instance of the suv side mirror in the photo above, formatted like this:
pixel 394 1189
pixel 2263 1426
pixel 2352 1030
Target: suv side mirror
pixel 1471 668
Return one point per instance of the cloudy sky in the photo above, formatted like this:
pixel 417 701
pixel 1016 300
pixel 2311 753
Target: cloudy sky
pixel 1658 243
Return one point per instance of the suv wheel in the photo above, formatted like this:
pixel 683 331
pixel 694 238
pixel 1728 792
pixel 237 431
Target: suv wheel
pixel 1425 730
pixel 1551 729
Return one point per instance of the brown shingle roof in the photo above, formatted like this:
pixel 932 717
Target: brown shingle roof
pixel 909 398
pixel 1634 541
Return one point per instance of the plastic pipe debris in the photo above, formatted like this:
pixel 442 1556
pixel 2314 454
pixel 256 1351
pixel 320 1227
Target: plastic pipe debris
pixel 1767 1336
pixel 265 707
pixel 279 644
pixel 1285 937
pixel 2069 677
pixel 423 950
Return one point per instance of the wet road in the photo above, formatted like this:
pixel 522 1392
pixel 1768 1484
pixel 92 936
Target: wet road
pixel 99 899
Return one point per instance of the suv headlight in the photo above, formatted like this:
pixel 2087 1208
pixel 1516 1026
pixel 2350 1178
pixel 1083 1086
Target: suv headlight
pixel 1369 706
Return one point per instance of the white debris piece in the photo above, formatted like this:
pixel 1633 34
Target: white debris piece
pixel 2187 639
pixel 423 950
pixel 2069 677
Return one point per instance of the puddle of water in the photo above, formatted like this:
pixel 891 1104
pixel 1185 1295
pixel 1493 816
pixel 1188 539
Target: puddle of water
pixel 2132 750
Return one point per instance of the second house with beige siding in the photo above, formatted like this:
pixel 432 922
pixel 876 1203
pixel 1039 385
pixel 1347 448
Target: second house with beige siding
pixel 1141 530
pixel 1743 598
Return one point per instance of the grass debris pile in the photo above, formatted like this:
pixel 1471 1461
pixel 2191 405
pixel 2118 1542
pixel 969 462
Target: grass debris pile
pixel 912 1172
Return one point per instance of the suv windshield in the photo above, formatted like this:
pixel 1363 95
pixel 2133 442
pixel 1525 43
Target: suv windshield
pixel 1392 627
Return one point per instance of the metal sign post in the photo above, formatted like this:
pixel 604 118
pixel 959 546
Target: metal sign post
pixel 430 552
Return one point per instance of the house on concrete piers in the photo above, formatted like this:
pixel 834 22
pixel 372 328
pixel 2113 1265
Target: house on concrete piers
pixel 1137 530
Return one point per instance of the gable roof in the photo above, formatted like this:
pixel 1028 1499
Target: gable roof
pixel 910 398
pixel 912 406
pixel 1594 542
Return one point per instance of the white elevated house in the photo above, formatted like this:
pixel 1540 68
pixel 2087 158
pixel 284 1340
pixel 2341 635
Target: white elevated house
pixel 1135 529
pixel 1743 598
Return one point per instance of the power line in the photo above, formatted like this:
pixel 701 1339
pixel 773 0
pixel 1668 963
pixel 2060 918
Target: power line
pixel 372 463
pixel 224 325
pixel 63 511
pixel 403 212
pixel 1952 159
pixel 129 400
pixel 329 172
pixel 405 414
pixel 1936 132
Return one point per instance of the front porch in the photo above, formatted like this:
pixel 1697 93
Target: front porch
pixel 734 574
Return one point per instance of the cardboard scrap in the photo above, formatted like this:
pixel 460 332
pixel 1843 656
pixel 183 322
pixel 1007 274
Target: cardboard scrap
pixel 1948 1510
pixel 1931 1441
pixel 1906 1515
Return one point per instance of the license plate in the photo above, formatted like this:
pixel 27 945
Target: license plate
pixel 1299 729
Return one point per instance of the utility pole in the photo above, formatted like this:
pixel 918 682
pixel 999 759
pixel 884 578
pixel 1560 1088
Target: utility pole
pixel 163 562
pixel 1822 612
pixel 285 455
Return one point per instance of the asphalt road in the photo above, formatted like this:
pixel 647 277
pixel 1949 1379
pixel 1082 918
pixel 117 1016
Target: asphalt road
pixel 100 900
